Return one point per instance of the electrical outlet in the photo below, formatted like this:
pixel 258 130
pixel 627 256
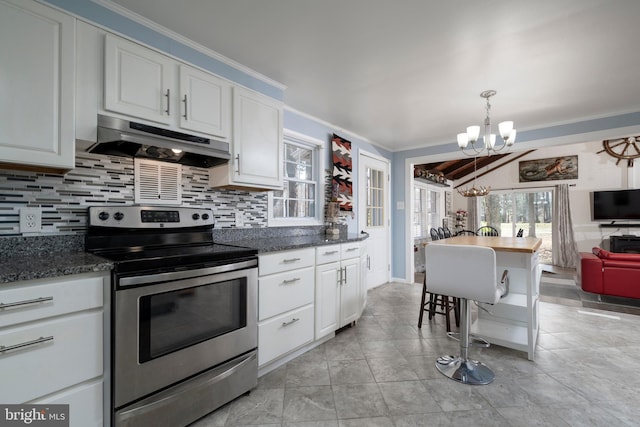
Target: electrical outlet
pixel 30 220
pixel 239 220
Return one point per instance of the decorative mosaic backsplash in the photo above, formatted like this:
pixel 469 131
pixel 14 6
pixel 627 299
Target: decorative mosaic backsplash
pixel 108 180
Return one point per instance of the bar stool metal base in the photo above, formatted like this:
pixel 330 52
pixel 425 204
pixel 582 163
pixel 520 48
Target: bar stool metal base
pixel 465 371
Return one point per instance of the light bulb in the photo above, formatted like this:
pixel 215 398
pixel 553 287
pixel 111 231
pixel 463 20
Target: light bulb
pixel 473 132
pixel 505 129
pixel 463 140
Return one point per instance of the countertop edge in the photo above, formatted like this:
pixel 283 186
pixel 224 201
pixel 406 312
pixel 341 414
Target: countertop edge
pixel 43 266
pixel 267 245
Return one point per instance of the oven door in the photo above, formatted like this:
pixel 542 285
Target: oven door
pixel 170 326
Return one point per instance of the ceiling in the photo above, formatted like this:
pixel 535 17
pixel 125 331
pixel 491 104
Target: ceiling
pixel 408 73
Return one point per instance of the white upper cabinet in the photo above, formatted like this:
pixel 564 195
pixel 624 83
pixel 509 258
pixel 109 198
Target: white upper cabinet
pixel 205 103
pixel 37 74
pixel 138 81
pixel 256 149
pixel 142 83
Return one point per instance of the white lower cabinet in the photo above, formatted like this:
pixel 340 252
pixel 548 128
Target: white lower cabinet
pixel 284 333
pixel 338 287
pixel 85 403
pixel 305 295
pixel 285 302
pixel 51 333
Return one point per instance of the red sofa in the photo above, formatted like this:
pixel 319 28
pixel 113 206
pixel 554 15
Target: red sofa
pixel 609 273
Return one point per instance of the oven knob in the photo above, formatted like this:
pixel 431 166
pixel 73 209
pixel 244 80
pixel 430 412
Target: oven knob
pixel 118 216
pixel 195 216
pixel 103 216
pixel 205 216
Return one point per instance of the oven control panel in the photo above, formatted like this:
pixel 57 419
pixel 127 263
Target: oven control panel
pixel 149 217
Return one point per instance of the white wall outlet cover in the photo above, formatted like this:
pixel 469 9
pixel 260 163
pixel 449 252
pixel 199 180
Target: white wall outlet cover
pixel 30 220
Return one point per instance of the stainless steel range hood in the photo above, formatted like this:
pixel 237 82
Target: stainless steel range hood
pixel 126 138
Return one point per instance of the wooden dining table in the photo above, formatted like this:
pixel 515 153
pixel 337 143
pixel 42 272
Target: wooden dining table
pixel 514 321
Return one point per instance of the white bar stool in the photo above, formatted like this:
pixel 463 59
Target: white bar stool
pixel 467 273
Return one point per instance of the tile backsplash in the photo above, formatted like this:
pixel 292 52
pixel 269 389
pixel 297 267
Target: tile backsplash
pixel 104 180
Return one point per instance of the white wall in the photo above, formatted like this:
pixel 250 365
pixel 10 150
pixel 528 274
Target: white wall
pixel 595 172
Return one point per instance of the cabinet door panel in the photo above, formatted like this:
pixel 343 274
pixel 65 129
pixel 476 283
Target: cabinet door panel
pixel 138 81
pixel 37 78
pixel 282 292
pixel 284 333
pixel 50 299
pixel 205 103
pixel 350 292
pixel 327 298
pixel 85 404
pixel 72 356
pixel 277 262
pixel 257 139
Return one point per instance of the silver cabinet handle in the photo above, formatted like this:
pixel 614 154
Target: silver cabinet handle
pixel 168 96
pixel 340 276
pixel 368 262
pixel 286 282
pixel 330 252
pixel 288 260
pixel 345 275
pixel 292 321
pixel 185 106
pixel 4 349
pixel 238 163
pixel 352 249
pixel 4 305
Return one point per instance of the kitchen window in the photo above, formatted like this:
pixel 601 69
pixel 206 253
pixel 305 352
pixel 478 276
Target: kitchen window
pixel 300 202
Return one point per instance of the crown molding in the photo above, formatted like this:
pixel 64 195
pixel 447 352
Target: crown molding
pixel 120 10
pixel 338 129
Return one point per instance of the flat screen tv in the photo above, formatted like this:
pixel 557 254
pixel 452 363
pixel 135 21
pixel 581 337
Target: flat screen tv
pixel 616 205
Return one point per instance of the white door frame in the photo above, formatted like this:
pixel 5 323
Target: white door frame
pixel 387 203
pixel 409 202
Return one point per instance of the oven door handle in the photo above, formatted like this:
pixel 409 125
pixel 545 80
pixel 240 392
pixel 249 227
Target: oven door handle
pixel 186 274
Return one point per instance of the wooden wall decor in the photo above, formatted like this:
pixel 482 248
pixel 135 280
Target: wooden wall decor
pixel 342 169
pixel 551 169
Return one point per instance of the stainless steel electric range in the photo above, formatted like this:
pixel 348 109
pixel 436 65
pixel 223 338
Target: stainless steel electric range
pixel 183 313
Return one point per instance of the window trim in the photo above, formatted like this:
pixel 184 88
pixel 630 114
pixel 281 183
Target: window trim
pixel 319 166
pixel 440 191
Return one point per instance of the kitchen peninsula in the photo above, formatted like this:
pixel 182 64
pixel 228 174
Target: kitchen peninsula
pixel 513 322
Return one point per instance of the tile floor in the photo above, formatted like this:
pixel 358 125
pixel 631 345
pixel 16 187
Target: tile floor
pixel 381 373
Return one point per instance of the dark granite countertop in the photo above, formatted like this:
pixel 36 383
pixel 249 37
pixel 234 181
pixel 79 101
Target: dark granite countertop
pixel 53 264
pixel 28 258
pixel 273 244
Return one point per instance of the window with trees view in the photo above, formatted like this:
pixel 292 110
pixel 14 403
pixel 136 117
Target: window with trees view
pixel 299 202
pixel 531 211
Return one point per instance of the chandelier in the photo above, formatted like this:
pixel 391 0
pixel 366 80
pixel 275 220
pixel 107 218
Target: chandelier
pixel 475 191
pixel 507 133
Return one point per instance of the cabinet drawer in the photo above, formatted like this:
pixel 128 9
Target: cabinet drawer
pixel 282 292
pixel 350 250
pixel 72 356
pixel 286 260
pixel 85 404
pixel 56 298
pixel 284 333
pixel 326 254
